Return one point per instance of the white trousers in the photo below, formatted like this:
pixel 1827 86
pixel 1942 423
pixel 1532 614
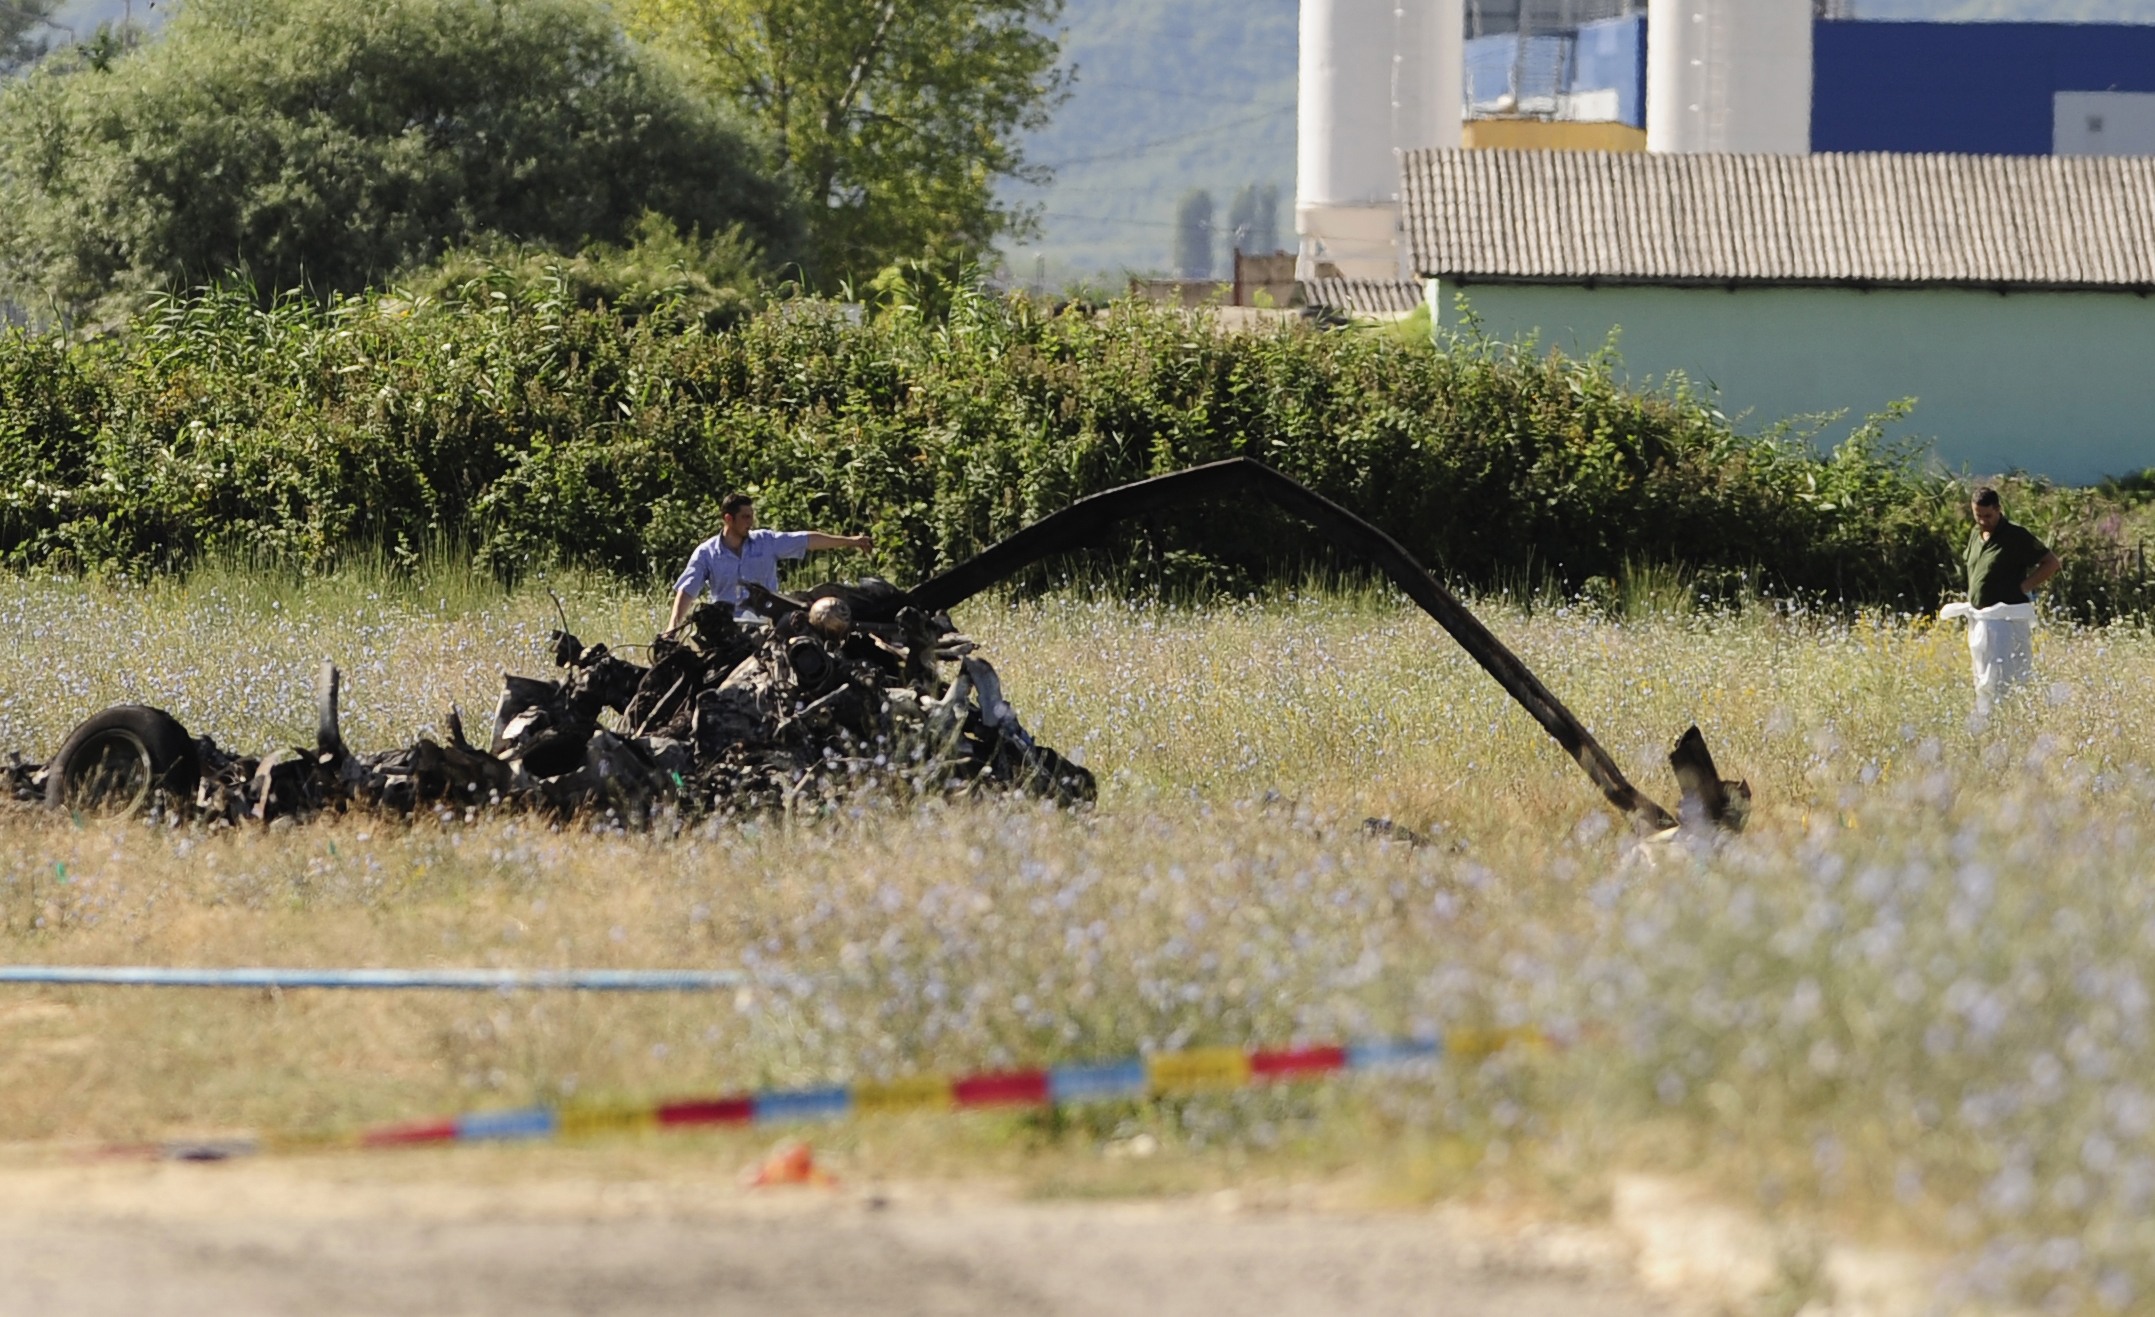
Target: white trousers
pixel 2000 649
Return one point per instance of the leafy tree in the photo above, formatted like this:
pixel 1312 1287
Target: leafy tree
pixel 326 144
pixel 22 27
pixel 1193 235
pixel 894 118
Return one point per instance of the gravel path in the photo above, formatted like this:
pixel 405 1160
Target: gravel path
pixel 323 1239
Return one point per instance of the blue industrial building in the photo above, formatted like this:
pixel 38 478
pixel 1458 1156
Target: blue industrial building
pixel 1961 88
pixel 1981 88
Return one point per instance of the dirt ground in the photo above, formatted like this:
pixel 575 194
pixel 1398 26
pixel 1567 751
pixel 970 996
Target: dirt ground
pixel 465 1233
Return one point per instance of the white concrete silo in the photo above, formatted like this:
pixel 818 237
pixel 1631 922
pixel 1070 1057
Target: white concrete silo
pixel 1377 78
pixel 1729 75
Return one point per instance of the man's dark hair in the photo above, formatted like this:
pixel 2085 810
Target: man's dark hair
pixel 733 503
pixel 1986 497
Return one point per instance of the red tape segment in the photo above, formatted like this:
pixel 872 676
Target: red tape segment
pixel 1023 1088
pixel 720 1111
pixel 402 1136
pixel 1297 1063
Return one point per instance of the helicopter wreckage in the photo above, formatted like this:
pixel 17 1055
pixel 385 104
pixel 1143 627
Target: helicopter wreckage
pixel 849 688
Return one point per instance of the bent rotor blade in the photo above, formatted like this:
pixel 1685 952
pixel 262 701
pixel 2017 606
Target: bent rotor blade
pixel 328 735
pixel 1079 526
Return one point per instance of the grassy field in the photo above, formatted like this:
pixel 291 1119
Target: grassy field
pixel 1913 998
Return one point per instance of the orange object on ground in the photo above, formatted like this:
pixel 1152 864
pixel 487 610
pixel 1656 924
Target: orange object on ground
pixel 791 1162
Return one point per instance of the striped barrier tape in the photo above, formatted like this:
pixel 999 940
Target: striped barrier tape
pixel 461 980
pixel 1162 1074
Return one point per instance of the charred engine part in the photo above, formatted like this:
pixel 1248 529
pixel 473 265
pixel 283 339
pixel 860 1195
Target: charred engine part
pixel 830 617
pixel 811 665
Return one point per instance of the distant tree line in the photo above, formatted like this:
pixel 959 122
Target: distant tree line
pixel 1252 227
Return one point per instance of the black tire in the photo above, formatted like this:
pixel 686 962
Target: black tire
pixel 120 761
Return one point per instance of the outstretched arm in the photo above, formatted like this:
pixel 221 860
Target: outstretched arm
pixel 683 604
pixel 2044 570
pixel 818 541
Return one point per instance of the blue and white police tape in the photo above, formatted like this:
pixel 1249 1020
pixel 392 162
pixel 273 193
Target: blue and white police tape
pixel 459 980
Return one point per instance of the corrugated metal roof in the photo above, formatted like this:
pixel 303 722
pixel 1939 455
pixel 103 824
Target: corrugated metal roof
pixel 1362 296
pixel 1870 218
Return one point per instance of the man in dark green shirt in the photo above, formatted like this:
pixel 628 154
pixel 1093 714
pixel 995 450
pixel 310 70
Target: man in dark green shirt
pixel 2005 561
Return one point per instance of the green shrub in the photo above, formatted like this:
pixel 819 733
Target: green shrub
pixel 684 279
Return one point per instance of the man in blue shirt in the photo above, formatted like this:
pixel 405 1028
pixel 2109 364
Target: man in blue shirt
pixel 740 553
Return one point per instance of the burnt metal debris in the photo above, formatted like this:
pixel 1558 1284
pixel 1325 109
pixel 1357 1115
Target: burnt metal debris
pixel 840 691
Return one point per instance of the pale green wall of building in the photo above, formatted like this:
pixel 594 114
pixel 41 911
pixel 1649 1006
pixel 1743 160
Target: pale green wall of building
pixel 2059 384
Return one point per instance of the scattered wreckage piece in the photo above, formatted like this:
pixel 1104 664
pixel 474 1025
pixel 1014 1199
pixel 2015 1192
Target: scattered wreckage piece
pixel 126 757
pixel 1705 795
pixel 814 707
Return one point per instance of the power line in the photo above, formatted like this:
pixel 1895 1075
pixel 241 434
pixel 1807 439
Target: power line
pixel 1106 219
pixel 1084 84
pixel 1061 190
pixel 1141 148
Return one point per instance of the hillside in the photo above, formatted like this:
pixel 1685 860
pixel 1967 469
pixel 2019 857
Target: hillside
pixel 1197 94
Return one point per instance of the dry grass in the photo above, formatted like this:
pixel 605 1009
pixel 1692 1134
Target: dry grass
pixel 1914 994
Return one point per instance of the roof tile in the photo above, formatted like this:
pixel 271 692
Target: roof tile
pixel 1870 218
pixel 1362 296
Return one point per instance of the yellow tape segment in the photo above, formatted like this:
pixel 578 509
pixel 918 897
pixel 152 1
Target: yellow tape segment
pixel 298 1141
pixel 1199 1070
pixel 1467 1044
pixel 910 1093
pixel 594 1122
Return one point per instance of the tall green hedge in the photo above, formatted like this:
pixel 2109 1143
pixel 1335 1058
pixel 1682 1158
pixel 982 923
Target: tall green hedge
pixel 536 433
